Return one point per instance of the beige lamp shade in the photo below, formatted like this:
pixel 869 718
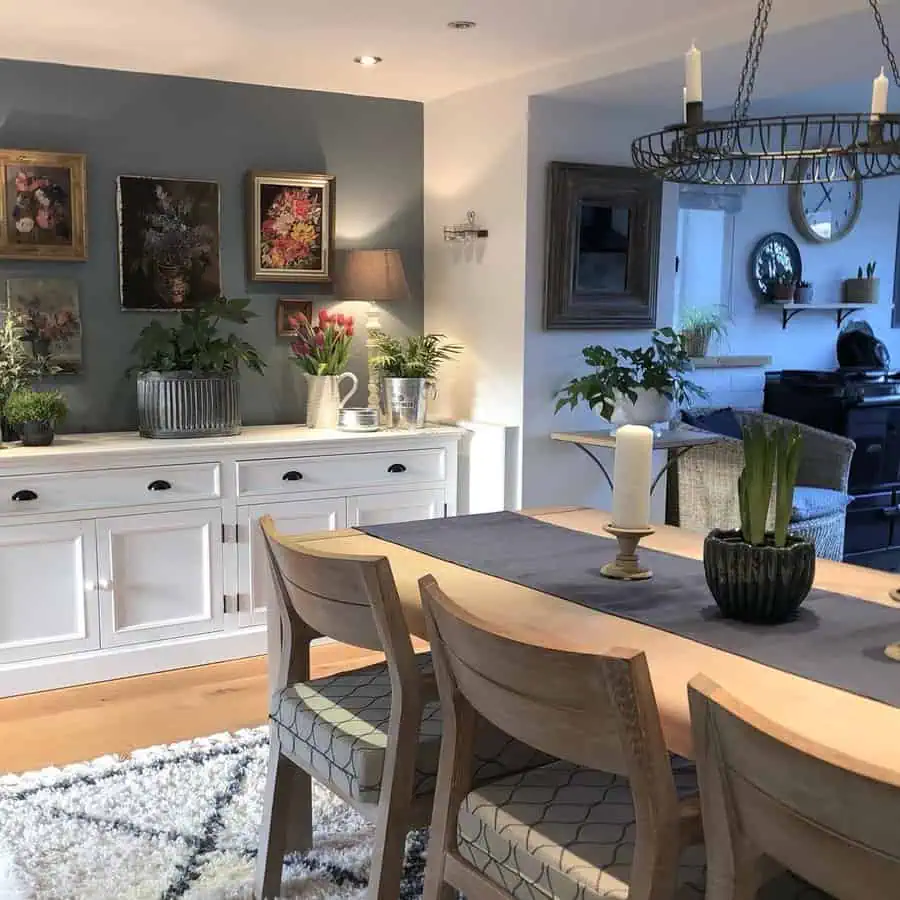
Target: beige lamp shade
pixel 373 275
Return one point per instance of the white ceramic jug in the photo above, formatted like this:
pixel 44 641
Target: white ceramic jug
pixel 323 398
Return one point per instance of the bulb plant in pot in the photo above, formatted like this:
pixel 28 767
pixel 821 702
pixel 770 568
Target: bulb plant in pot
pixel 698 327
pixel 863 288
pixel 408 371
pixel 757 575
pixel 188 382
pixel 635 387
pixel 782 288
pixel 35 414
pixel 322 351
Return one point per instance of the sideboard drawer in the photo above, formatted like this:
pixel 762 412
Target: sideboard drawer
pixel 265 477
pixel 111 488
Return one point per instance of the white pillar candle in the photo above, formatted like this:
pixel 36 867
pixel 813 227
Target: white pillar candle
pixel 880 95
pixel 693 72
pixel 684 104
pixel 631 484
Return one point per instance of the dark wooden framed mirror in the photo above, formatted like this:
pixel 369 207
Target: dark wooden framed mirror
pixel 602 247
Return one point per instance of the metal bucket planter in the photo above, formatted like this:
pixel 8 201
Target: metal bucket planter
pixel 405 402
pixel 188 405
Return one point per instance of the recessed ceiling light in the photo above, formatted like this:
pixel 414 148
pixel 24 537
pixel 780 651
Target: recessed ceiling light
pixel 367 60
pixel 462 24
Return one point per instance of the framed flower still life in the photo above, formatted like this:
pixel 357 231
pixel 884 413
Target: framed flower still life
pixel 290 226
pixel 42 205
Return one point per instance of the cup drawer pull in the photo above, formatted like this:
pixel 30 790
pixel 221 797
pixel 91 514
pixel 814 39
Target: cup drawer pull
pixel 25 496
pixel 159 485
pixel 292 476
pixel 396 468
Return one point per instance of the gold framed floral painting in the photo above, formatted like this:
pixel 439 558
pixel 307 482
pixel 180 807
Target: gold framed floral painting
pixel 43 205
pixel 290 226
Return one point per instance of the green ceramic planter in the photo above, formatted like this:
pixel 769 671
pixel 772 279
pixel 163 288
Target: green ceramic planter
pixel 764 585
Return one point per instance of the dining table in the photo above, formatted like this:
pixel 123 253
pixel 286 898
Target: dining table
pixel 866 729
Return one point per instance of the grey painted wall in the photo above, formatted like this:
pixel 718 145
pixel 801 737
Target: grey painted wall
pixel 132 124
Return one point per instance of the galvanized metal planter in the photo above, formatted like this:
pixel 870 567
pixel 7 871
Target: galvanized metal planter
pixel 188 404
pixel 404 402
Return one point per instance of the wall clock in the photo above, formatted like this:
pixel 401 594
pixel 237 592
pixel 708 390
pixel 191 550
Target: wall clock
pixel 825 212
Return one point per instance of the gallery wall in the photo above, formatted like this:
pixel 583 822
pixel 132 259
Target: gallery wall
pixel 133 124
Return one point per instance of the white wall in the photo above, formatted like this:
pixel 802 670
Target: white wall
pixel 572 132
pixel 475 158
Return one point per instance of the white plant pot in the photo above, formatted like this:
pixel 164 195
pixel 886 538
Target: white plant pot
pixel 650 408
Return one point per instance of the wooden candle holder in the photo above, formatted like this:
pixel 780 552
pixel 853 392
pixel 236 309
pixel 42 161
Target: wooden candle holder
pixel 626 566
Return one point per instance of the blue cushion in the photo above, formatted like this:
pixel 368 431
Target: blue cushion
pixel 812 503
pixel 718 421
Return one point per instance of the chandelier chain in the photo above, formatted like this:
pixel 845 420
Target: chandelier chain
pixel 885 40
pixel 751 61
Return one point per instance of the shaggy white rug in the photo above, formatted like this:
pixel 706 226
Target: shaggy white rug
pixel 169 823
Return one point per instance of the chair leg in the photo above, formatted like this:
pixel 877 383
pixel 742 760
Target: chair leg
pixel 387 866
pixel 287 820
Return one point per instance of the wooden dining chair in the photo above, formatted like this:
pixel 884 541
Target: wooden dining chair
pixel 612 817
pixel 772 799
pixel 373 735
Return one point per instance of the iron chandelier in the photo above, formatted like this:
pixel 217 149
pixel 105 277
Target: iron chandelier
pixel 777 150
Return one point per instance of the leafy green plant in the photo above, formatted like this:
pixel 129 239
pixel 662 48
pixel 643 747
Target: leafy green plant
pixel 620 372
pixel 769 457
pixel 870 270
pixel 417 357
pixel 36 406
pixel 699 326
pixel 18 368
pixel 196 344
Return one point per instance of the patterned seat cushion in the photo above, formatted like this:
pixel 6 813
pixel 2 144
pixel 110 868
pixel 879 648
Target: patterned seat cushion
pixel 337 729
pixel 562 832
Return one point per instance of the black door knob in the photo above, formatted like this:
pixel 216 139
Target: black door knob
pixel 396 468
pixel 292 476
pixel 24 496
pixel 159 485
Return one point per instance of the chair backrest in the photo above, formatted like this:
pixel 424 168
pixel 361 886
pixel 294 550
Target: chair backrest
pixel 352 599
pixel 833 820
pixel 596 710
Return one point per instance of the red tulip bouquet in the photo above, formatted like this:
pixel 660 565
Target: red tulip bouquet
pixel 322 349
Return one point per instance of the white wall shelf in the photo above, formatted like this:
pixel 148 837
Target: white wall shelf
pixel 841 311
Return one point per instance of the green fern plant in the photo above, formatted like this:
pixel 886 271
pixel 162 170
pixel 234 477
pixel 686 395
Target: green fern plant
pixel 416 357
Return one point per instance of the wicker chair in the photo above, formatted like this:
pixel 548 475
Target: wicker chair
pixel 707 483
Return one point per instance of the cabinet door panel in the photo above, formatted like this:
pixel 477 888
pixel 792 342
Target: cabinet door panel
pixel 400 506
pixel 48 598
pixel 299 517
pixel 160 576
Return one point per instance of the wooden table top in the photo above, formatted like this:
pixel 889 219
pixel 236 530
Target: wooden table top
pixel 671 439
pixel 846 722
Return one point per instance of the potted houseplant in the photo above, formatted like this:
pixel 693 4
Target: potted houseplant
pixel 698 327
pixel 803 293
pixel 756 575
pixel 188 375
pixel 322 351
pixel 18 368
pixel 635 387
pixel 408 370
pixel 35 415
pixel 782 288
pixel 863 288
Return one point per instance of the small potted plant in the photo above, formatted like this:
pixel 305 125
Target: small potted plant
pixel 408 370
pixel 635 387
pixel 864 288
pixel 322 351
pixel 188 384
pixel 803 292
pixel 756 575
pixel 35 414
pixel 782 288
pixel 698 327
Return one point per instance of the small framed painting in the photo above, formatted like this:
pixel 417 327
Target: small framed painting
pixel 288 310
pixel 51 319
pixel 42 205
pixel 290 226
pixel 168 243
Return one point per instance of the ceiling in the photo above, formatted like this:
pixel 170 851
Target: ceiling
pixel 312 45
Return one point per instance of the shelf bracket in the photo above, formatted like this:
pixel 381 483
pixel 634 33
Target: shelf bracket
pixel 843 315
pixel 787 315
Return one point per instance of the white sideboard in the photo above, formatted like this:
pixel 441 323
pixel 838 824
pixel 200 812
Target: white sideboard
pixel 121 556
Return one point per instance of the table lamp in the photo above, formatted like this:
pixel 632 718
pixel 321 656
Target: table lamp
pixel 374 276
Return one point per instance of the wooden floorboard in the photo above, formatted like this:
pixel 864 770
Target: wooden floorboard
pixel 81 723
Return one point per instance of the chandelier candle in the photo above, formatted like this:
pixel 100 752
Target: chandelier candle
pixel 880 96
pixel 631 488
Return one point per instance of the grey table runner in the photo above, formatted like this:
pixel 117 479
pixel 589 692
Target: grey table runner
pixel 835 640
